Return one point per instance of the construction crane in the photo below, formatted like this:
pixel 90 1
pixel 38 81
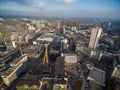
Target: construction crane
pixel 46 60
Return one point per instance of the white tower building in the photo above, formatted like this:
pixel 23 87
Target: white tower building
pixel 94 38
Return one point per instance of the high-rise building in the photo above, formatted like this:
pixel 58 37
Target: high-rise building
pixel 58 25
pixel 94 38
pixel 108 28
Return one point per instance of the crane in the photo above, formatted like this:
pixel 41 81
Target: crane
pixel 46 60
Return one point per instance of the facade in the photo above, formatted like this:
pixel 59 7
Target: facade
pixel 95 54
pixel 31 27
pixel 11 74
pixel 2 47
pixel 94 38
pixel 19 60
pixel 29 82
pixel 116 72
pixel 17 67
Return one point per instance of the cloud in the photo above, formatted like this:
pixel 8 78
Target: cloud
pixel 65 1
pixel 24 1
pixel 38 5
pixel 32 3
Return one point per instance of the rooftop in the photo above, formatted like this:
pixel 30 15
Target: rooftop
pixel 32 49
pixel 60 66
pixel 29 80
pixel 10 71
pixel 60 82
pixel 97 75
pixel 18 60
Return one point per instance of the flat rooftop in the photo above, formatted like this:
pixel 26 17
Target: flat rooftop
pixel 8 72
pixel 32 49
pixel 59 70
pixel 97 75
pixel 29 80
pixel 60 82
pixel 18 60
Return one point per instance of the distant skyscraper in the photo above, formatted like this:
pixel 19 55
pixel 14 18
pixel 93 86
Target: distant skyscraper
pixel 109 24
pixel 58 25
pixel 94 38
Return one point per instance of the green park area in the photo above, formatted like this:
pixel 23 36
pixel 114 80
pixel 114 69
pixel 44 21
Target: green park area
pixel 4 35
pixel 78 84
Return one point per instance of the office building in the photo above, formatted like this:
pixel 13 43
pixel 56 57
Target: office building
pixel 116 72
pixel 3 47
pixel 17 68
pixel 29 82
pixel 94 38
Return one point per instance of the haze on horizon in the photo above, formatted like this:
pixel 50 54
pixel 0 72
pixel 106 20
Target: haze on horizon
pixel 61 8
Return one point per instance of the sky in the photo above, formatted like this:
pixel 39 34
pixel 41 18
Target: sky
pixel 62 8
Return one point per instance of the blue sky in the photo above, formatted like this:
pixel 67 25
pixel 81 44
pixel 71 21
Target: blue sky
pixel 62 8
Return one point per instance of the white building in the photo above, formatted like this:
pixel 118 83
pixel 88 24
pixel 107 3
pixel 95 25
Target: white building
pixel 31 27
pixel 14 43
pixel 94 38
pixel 19 60
pixel 74 28
pixel 70 58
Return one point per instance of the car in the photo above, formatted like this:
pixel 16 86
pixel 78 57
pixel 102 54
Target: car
pixel 79 70
pixel 81 76
pixel 86 85
pixel 59 77
pixel 85 88
pixel 69 76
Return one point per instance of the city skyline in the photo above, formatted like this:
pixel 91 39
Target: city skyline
pixel 61 8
